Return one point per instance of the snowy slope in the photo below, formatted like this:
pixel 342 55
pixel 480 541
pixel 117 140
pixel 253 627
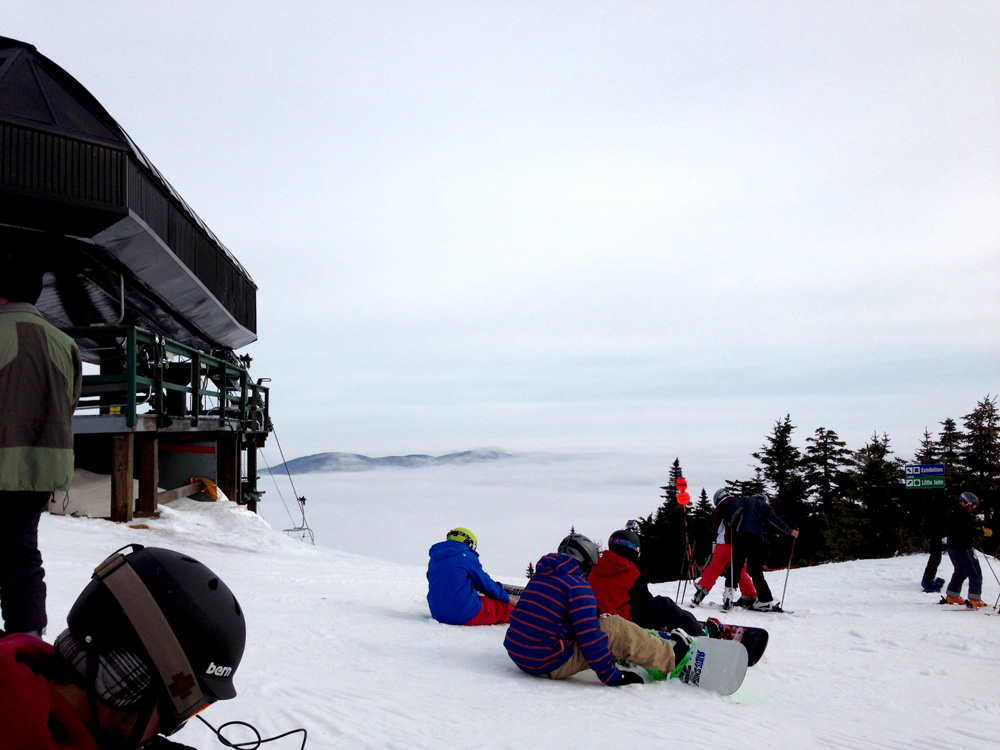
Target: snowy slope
pixel 343 645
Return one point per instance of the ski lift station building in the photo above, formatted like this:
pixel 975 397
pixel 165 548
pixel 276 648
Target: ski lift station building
pixel 156 303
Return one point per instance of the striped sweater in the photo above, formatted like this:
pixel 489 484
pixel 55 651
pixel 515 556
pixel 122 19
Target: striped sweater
pixel 556 613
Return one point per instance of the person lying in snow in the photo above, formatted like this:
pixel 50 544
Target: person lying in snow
pixel 152 640
pixel 620 589
pixel 458 590
pixel 555 630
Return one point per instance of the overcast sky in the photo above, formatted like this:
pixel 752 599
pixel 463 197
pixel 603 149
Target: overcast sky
pixel 579 225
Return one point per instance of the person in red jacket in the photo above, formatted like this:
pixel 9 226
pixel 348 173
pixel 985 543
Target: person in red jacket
pixel 620 589
pixel 155 638
pixel 722 556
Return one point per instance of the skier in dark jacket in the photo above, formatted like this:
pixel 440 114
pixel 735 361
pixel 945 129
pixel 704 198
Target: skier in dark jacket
pixel 964 530
pixel 748 519
pixel 555 631
pixel 934 520
pixel 458 590
pixel 722 556
pixel 620 589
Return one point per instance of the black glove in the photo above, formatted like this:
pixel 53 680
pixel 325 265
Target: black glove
pixel 628 678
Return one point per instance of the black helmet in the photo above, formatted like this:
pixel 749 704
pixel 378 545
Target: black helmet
pixel 719 496
pixel 969 500
pixel 625 543
pixel 581 549
pixel 173 611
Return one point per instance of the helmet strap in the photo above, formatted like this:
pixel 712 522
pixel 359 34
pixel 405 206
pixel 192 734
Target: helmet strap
pixel 143 715
pixel 156 635
pixel 95 716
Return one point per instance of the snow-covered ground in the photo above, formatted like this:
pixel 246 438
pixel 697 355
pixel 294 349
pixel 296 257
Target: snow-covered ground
pixel 343 645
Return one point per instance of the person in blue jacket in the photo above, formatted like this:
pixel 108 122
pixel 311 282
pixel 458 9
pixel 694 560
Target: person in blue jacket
pixel 555 630
pixel 747 521
pixel 458 590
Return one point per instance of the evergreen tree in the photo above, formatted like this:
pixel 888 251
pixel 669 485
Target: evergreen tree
pixel 746 487
pixel 981 454
pixel 663 534
pixel 827 471
pixel 927 452
pixel 781 466
pixel 670 490
pixel 827 467
pixel 703 509
pixel 530 570
pixel 949 447
pixel 700 527
pixel 891 524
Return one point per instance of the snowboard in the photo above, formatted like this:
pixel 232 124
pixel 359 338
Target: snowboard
pixel 713 665
pixel 753 639
pixel 513 590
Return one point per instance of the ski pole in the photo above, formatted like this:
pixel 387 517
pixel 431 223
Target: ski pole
pixel 787 571
pixel 684 564
pixel 684 571
pixel 987 559
pixel 732 570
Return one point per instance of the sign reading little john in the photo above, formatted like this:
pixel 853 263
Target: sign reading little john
pixel 925 476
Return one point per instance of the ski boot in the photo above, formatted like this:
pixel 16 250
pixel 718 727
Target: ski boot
pixel 745 602
pixel 975 603
pixel 759 606
pixel 699 595
pixel 682 644
pixel 933 586
pixel 728 598
pixel 954 600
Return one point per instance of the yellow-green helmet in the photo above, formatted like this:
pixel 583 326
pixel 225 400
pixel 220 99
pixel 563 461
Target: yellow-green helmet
pixel 460 534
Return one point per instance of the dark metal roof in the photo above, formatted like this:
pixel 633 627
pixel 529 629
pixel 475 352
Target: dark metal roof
pixel 78 192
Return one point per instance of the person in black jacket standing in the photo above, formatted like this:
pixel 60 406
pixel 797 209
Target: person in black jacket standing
pixel 934 519
pixel 962 529
pixel 748 519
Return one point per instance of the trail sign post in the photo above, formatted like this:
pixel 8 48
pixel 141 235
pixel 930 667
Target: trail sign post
pixel 925 476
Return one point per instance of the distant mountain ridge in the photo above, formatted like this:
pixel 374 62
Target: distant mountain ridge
pixel 321 462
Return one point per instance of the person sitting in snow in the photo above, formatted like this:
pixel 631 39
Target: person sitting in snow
pixel 152 640
pixel 963 530
pixel 555 630
pixel 620 589
pixel 458 590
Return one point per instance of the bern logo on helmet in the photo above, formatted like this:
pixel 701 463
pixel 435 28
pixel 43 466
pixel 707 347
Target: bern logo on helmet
pixel 218 671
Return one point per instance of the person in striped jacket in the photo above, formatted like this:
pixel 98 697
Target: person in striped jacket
pixel 555 630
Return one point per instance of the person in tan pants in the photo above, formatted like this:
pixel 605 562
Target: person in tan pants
pixel 555 630
pixel 626 640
